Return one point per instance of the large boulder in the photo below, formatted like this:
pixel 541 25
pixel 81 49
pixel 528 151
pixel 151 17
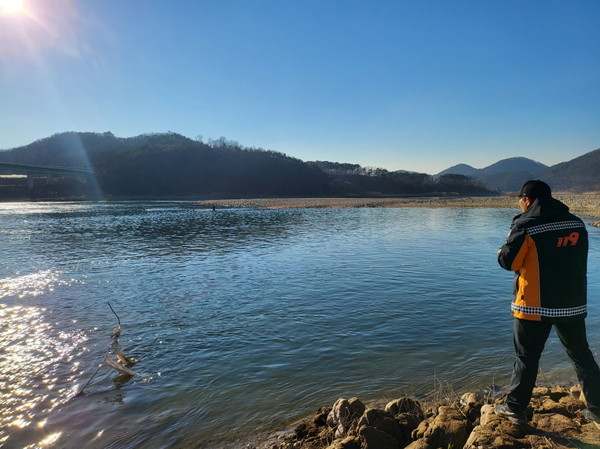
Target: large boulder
pixel 449 427
pixel 384 422
pixel 373 438
pixel 408 413
pixel 404 405
pixel 343 414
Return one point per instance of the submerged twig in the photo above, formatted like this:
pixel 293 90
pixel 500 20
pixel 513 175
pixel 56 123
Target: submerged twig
pixel 113 311
pixel 116 333
pixel 88 382
pixel 125 362
pixel 121 368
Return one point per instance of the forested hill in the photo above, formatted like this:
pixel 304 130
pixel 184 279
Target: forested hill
pixel 579 174
pixel 171 165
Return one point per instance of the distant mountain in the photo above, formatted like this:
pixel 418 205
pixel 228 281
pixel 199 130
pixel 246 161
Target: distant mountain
pixel 513 164
pixel 460 169
pixel 581 174
pixel 509 174
pixel 506 175
pixel 506 181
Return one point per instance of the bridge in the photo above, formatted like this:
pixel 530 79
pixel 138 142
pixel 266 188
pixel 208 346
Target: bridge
pixel 31 171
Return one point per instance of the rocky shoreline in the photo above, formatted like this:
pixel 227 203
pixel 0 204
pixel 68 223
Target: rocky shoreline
pixel 587 204
pixel 555 421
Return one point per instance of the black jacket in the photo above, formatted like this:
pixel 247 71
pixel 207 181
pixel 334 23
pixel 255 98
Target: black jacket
pixel 547 247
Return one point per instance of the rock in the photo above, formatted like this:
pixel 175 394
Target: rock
pixel 372 438
pixel 420 444
pixel 471 400
pixel 552 393
pixel 498 432
pixel 556 424
pixel 404 405
pixel 408 422
pixel 495 431
pixel 471 404
pixel 577 392
pixel 384 422
pixel 550 406
pixel 342 415
pixel 557 400
pixel 351 442
pixel 487 414
pixel 501 425
pixel 320 418
pixel 421 429
pixel 313 431
pixel 448 427
pixel 478 440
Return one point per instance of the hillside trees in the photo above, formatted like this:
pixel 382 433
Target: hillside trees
pixel 374 182
pixel 199 169
pixel 160 165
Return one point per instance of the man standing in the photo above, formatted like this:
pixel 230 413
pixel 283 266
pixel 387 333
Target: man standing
pixel 547 249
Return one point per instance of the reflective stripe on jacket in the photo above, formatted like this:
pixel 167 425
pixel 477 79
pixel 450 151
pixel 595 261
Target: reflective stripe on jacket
pixel 547 248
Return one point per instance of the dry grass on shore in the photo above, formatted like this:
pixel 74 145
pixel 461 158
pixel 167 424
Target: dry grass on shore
pixel 583 204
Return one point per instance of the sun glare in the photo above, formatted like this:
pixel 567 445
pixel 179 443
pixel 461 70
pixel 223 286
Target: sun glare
pixel 12 6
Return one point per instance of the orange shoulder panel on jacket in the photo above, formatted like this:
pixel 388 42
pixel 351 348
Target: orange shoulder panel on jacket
pixel 528 288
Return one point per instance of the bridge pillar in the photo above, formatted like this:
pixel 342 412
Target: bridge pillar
pixel 30 181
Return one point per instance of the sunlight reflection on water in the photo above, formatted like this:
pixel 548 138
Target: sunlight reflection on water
pixel 33 284
pixel 37 367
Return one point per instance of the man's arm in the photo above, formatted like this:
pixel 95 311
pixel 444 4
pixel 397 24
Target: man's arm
pixel 512 254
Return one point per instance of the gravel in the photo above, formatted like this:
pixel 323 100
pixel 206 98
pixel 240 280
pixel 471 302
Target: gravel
pixel 582 204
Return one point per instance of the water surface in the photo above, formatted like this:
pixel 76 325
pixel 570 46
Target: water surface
pixel 245 319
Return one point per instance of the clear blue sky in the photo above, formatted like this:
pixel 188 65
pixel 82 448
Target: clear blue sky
pixel 419 85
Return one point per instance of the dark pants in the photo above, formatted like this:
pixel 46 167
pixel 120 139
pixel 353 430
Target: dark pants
pixel 529 339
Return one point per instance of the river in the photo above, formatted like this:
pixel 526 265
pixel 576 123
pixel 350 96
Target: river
pixel 244 320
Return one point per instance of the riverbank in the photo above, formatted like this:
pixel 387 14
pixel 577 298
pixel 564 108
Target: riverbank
pixel 555 421
pixel 582 204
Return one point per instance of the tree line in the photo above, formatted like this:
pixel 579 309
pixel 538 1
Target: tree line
pixel 170 165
